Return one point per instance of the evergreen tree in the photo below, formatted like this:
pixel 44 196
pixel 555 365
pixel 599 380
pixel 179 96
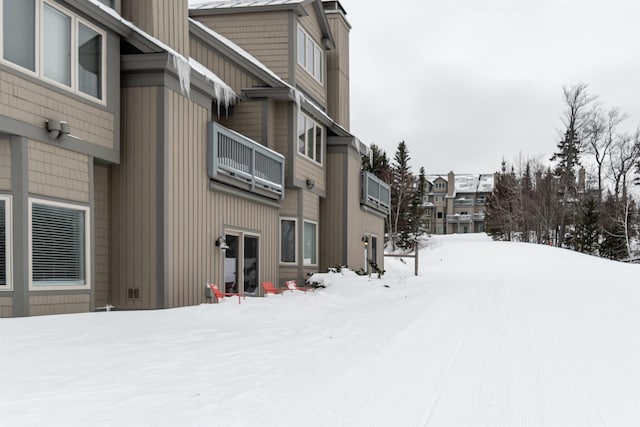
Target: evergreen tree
pixel 377 164
pixel 526 186
pixel 504 209
pixel 401 189
pixel 587 232
pixel 577 100
pixel 417 208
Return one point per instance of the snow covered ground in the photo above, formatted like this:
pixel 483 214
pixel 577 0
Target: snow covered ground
pixel 490 333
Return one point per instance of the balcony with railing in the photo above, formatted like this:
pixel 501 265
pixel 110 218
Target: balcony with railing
pixel 375 193
pixel 478 216
pixel 241 162
pixel 459 218
pixel 463 202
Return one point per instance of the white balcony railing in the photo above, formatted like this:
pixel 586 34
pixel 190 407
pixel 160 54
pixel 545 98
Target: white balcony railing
pixel 459 218
pixel 234 157
pixel 375 193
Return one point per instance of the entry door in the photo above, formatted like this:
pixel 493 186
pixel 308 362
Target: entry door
pixel 231 263
pixel 241 263
pixel 250 268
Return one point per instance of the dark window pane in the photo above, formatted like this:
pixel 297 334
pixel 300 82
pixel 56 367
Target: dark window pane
pixel 287 241
pixel 89 61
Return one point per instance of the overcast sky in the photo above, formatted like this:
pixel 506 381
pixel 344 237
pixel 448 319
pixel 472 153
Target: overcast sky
pixel 466 83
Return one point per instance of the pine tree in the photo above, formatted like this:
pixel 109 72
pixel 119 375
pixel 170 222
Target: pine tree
pixel 567 157
pixel 417 208
pixel 401 188
pixel 587 232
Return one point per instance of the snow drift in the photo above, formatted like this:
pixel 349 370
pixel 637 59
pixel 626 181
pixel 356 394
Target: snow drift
pixel 490 333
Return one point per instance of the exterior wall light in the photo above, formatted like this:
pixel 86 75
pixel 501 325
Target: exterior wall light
pixel 310 183
pixel 222 243
pixel 57 129
pixel 365 241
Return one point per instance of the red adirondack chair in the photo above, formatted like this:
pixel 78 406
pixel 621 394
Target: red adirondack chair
pixel 219 295
pixel 269 288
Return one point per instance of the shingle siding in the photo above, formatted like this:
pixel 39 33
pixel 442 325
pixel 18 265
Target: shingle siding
pixel 59 173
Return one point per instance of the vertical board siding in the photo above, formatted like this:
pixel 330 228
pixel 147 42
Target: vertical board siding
pixel 338 72
pixel 332 214
pixel 33 103
pixel 164 19
pixel 59 173
pixel 102 216
pixel 262 34
pixel 134 216
pixel 197 216
pixel 5 163
pixel 233 75
pixel 281 139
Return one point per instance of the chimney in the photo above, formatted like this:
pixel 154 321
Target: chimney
pixel 166 20
pixel 451 184
pixel 338 104
pixel 581 180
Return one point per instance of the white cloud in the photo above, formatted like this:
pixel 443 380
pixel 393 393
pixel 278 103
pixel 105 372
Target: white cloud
pixel 465 83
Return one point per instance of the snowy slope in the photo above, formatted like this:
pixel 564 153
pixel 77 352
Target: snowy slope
pixel 490 333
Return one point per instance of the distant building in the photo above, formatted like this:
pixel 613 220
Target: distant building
pixel 456 203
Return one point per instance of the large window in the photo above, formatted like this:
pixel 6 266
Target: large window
pixel 310 55
pixel 310 138
pixel 40 37
pixel 288 240
pixel 5 242
pixel 18 32
pixel 59 241
pixel 310 243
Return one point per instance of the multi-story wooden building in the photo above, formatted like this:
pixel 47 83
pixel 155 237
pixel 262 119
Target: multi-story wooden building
pixel 147 149
pixel 456 203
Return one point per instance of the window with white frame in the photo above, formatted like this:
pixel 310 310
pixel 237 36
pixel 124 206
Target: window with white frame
pixel 287 240
pixel 310 55
pixel 5 242
pixel 439 198
pixel 440 185
pixel 40 37
pixel 59 244
pixel 310 138
pixel 310 243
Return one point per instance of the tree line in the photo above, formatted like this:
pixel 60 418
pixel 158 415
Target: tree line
pixel 583 199
pixel 407 217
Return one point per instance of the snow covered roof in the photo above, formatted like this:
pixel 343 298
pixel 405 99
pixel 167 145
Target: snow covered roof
pixel 227 4
pixel 486 183
pixel 468 183
pixel 184 66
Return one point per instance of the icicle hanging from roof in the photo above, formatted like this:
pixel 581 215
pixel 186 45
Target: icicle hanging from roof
pixel 184 73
